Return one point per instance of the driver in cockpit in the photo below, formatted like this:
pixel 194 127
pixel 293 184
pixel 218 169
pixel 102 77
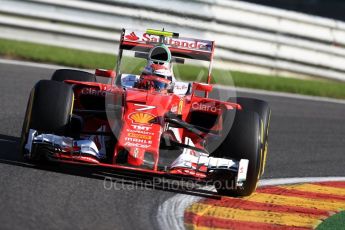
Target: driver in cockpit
pixel 158 73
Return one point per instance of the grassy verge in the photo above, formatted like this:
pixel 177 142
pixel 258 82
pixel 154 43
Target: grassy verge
pixel 334 222
pixel 321 88
pixel 56 55
pixel 91 60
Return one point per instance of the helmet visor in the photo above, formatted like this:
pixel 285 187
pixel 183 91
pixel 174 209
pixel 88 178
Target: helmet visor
pixel 160 54
pixel 158 85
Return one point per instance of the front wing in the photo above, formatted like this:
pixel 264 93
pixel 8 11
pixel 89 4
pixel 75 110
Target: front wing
pixel 68 150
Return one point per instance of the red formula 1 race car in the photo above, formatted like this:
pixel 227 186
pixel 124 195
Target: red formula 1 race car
pixel 145 121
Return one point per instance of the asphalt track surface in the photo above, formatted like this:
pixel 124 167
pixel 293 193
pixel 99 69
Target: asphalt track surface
pixel 307 139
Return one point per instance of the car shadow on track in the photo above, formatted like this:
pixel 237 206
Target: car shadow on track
pixel 9 154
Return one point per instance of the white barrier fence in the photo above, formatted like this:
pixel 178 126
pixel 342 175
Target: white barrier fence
pixel 248 37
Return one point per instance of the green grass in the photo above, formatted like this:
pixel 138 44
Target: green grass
pixel 323 88
pixel 335 222
pixel 90 60
pixel 56 55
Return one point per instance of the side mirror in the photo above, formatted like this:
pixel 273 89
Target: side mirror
pixel 202 87
pixel 109 73
pixel 141 55
pixel 177 60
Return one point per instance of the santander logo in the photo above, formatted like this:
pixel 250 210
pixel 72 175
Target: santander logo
pixel 181 43
pixel 132 36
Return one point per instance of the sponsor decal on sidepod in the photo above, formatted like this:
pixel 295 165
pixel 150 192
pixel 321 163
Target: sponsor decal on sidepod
pixel 204 107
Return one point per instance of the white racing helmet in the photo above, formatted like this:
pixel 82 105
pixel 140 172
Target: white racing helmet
pixel 159 63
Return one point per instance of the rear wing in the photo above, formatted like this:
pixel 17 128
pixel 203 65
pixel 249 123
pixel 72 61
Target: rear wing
pixel 143 41
pixel 191 48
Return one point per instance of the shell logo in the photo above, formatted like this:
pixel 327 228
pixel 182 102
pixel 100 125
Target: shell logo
pixel 141 118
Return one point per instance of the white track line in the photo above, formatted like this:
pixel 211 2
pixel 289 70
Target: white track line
pixel 170 214
pixel 239 89
pixel 297 180
pixel 32 64
pixel 38 65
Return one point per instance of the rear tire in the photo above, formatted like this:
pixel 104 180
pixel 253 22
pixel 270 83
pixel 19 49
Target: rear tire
pixel 242 142
pixel 48 111
pixel 70 74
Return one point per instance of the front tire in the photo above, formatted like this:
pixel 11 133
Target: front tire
pixel 241 142
pixel 48 111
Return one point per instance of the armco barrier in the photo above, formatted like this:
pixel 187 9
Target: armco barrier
pixel 248 37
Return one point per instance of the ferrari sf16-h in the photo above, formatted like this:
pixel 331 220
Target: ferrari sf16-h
pixel 147 121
